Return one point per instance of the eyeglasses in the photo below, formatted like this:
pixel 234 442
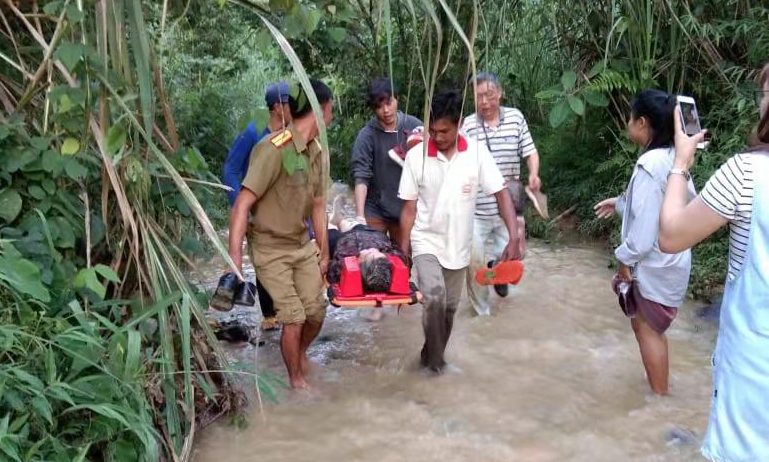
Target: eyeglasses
pixel 489 95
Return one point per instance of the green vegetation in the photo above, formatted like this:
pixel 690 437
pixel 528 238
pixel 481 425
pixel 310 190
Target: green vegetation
pixel 117 114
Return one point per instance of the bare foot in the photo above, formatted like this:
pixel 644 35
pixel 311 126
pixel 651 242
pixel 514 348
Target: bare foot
pixel 300 384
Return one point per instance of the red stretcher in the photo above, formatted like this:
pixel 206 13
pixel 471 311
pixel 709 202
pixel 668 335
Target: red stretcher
pixel 348 293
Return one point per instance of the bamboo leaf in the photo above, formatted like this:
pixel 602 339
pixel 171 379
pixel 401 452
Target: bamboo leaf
pixel 43 408
pixel 141 52
pixel 301 74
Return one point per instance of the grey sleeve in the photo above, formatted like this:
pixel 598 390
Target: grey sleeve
pixel 412 122
pixel 362 159
pixel 645 206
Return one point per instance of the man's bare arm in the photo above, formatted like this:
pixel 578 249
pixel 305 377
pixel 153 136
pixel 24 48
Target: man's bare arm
pixel 320 227
pixel 361 190
pixel 507 212
pixel 407 219
pixel 239 223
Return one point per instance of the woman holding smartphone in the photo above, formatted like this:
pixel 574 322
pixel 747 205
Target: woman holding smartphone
pixel 651 284
pixel 738 194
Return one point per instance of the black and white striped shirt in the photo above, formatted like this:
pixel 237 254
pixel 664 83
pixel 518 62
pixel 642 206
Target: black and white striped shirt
pixel 729 192
pixel 508 142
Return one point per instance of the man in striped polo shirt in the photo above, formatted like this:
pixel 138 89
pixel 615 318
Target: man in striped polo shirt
pixel 503 130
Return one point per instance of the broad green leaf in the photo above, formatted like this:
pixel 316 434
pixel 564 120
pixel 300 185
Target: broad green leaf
pixel 595 98
pixel 36 192
pixel 568 80
pixel 549 94
pixel 576 104
pixel 295 21
pixel 52 8
pixel 73 13
pixel 65 238
pixel 70 146
pixel 10 204
pixel 281 5
pixel 65 104
pixel 40 142
pixel 51 161
pixel 559 113
pixel 49 185
pixel 337 34
pixel 86 278
pixel 69 53
pixel 311 21
pixel 107 273
pixel 75 170
pixel 292 161
pixel 23 276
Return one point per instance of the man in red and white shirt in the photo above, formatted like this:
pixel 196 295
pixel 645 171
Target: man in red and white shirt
pixel 439 185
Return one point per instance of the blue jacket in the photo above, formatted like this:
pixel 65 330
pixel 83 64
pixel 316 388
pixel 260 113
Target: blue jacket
pixel 236 165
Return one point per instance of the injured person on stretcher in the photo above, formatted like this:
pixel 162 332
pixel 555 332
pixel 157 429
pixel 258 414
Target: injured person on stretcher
pixel 366 269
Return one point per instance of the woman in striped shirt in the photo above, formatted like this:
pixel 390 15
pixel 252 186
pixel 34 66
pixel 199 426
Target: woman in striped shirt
pixel 738 194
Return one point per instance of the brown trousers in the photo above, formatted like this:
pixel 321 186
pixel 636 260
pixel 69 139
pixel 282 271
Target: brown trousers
pixel 441 290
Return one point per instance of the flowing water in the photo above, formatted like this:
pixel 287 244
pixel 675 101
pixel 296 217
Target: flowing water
pixel 553 375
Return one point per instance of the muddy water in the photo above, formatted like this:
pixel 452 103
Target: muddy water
pixel 553 375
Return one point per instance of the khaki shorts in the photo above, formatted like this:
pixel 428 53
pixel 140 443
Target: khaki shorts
pixel 292 278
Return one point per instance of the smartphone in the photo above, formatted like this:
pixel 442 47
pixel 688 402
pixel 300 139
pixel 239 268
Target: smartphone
pixel 690 119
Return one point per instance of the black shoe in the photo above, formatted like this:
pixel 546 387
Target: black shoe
pixel 225 291
pixel 500 289
pixel 245 294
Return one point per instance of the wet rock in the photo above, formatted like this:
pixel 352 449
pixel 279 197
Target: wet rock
pixel 238 325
